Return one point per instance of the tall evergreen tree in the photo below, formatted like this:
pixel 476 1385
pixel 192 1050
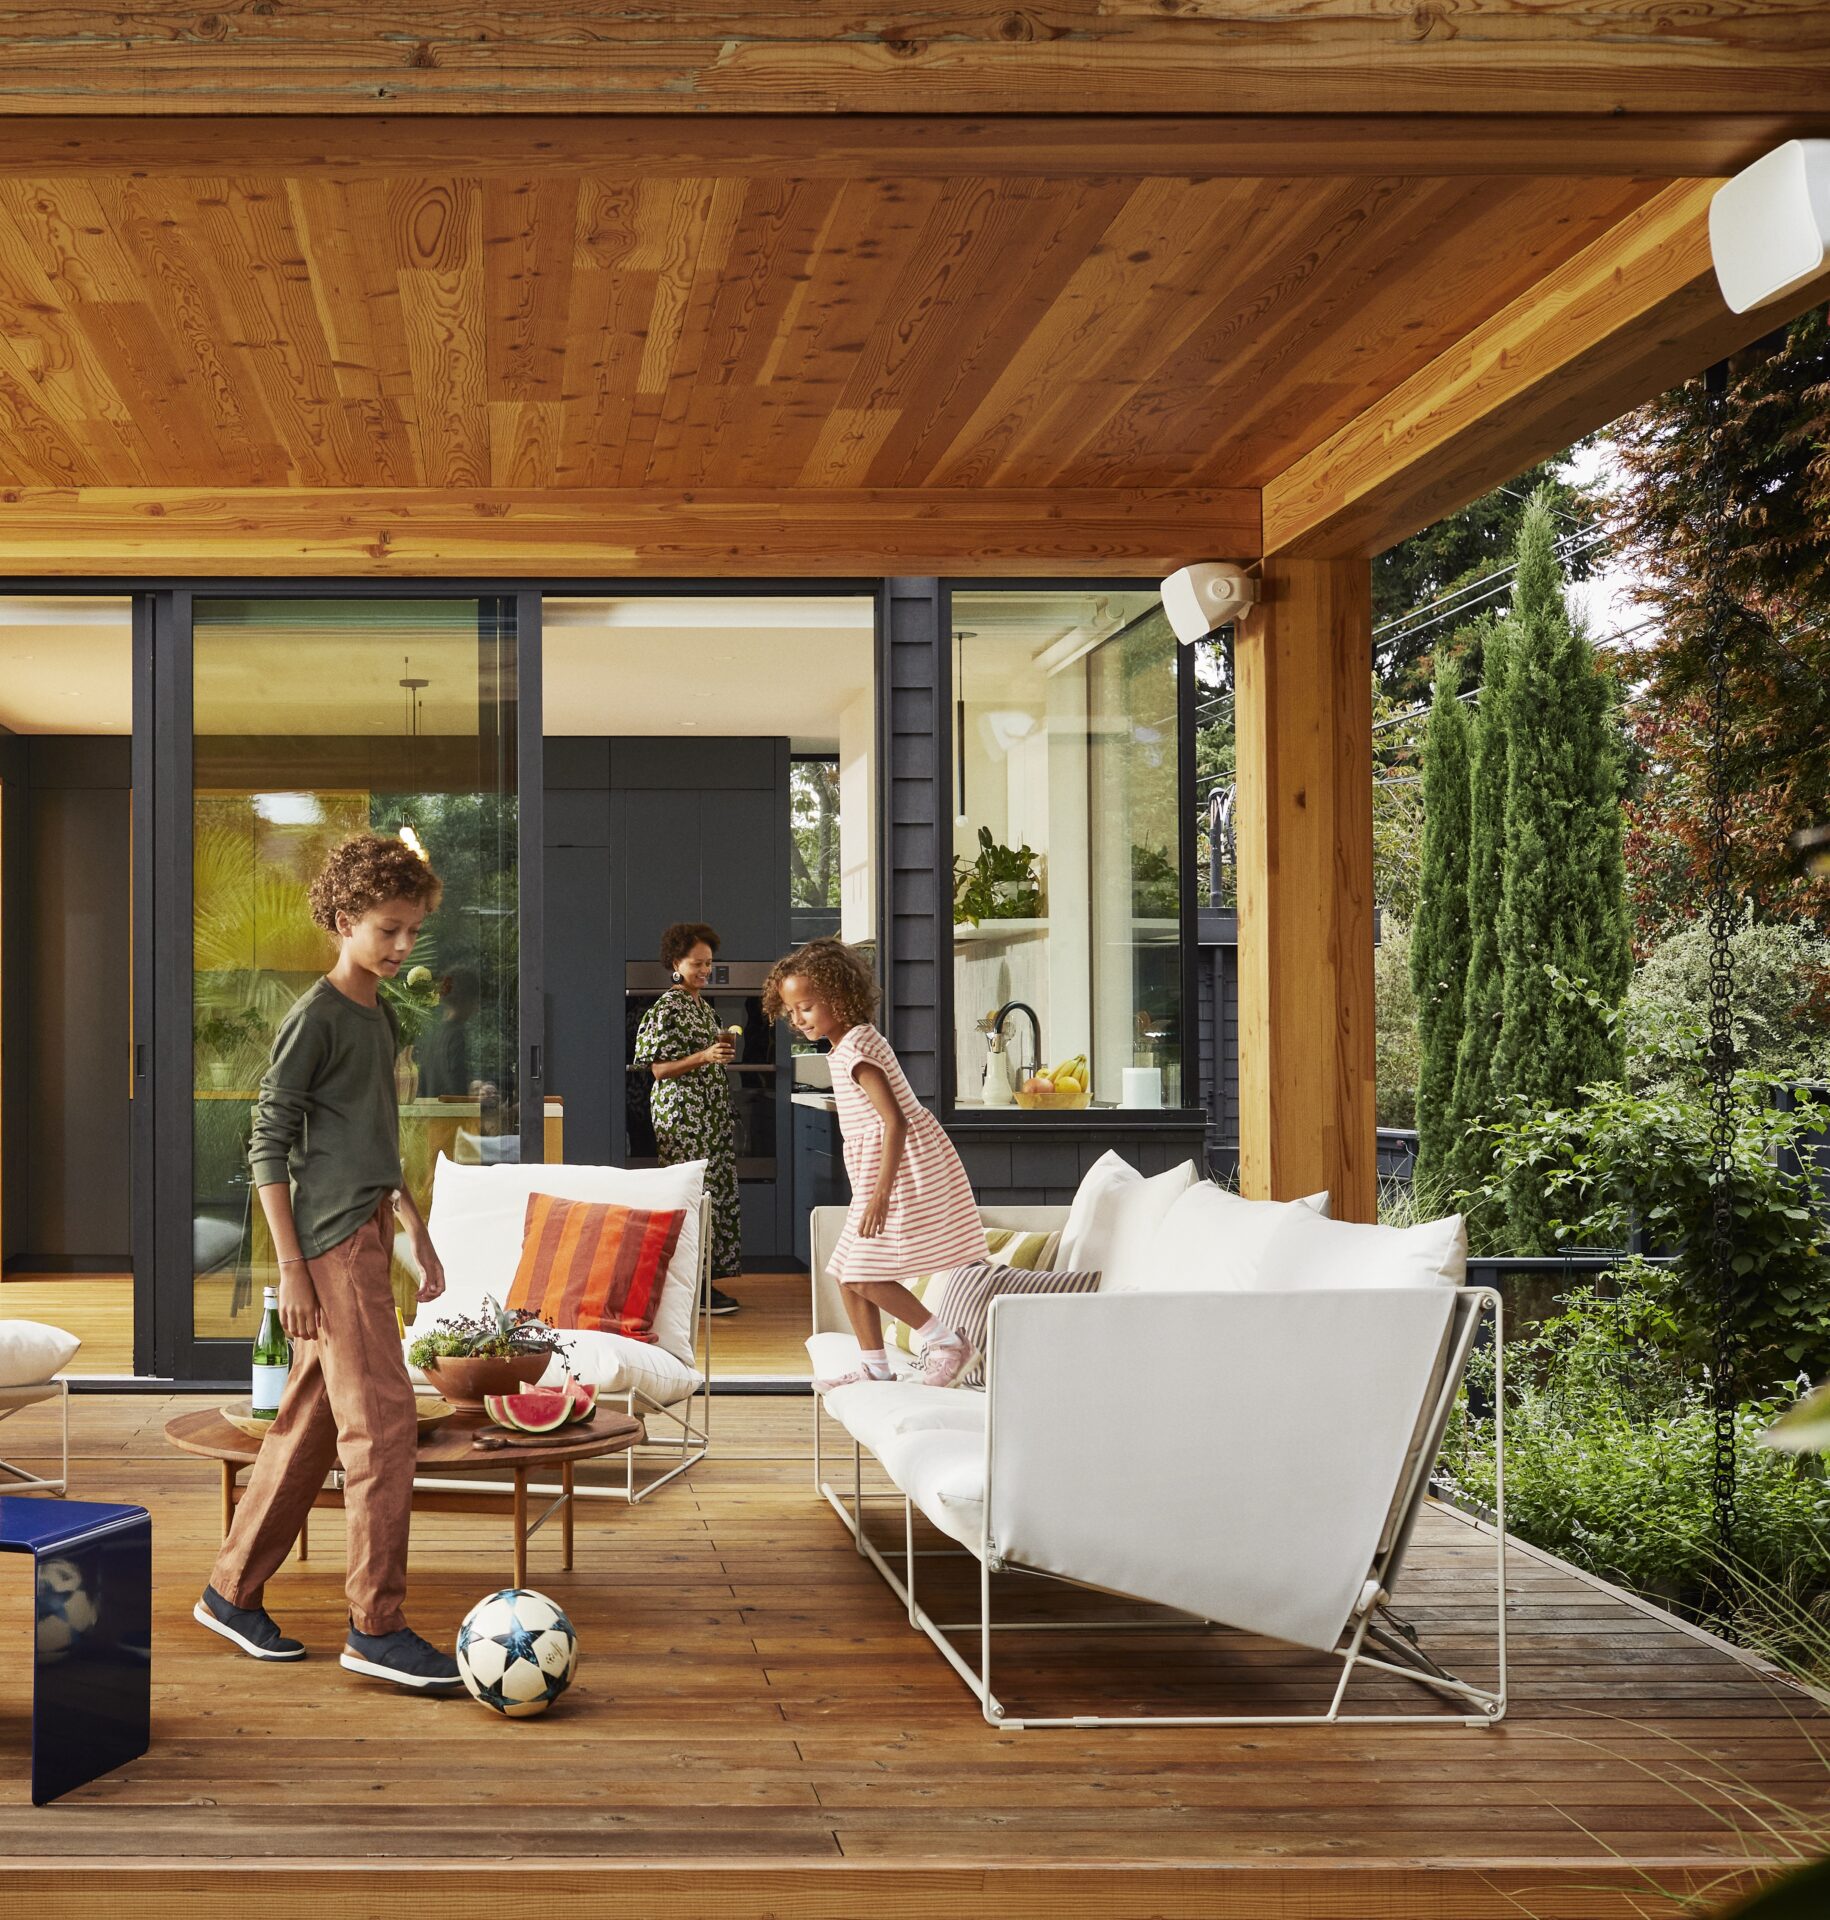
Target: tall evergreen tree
pixel 1564 900
pixel 1471 1104
pixel 1440 939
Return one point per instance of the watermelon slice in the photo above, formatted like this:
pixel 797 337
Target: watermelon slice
pixel 581 1400
pixel 543 1410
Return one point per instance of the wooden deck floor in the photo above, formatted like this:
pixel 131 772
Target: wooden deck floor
pixel 756 1730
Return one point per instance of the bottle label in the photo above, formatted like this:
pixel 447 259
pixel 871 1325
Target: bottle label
pixel 269 1384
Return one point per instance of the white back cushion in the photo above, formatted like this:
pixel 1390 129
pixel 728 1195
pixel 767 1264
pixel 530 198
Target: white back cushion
pixel 31 1352
pixel 1111 1227
pixel 1213 1241
pixel 479 1215
pixel 1304 1253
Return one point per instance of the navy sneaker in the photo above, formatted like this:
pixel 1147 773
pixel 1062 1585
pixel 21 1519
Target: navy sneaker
pixel 721 1302
pixel 403 1657
pixel 253 1629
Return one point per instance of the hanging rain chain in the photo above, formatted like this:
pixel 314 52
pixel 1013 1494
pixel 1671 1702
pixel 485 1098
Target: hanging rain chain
pixel 1720 1050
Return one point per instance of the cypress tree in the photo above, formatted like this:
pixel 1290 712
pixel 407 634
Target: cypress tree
pixel 1563 895
pixel 1440 936
pixel 1471 1103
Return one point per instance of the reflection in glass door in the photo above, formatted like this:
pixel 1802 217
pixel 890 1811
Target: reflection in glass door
pixel 314 719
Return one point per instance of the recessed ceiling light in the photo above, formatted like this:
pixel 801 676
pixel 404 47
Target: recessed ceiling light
pixel 689 723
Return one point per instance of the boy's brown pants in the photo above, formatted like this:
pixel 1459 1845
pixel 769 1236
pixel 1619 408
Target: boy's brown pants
pixel 347 1398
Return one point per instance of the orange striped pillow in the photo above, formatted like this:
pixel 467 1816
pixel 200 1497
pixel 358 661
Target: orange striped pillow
pixel 593 1266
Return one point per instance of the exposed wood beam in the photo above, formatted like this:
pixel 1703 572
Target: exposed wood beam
pixel 1629 316
pixel 909 146
pixel 523 534
pixel 1303 727
pixel 1103 56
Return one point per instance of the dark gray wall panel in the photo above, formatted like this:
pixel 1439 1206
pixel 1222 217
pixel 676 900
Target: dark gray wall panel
pixel 657 840
pixel 717 762
pixel 577 817
pixel 911 666
pixel 576 761
pixel 583 1020
pixel 15 1012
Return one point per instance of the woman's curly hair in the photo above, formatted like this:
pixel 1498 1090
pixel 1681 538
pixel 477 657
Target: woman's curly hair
pixel 366 870
pixel 840 974
pixel 682 937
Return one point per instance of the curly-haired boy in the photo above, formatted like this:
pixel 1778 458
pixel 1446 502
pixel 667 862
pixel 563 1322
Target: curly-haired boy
pixel 325 1153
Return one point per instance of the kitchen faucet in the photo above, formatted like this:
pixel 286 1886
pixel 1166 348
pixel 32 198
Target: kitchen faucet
pixel 1035 1032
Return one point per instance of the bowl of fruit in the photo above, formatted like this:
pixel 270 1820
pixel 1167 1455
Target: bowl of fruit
pixel 1066 1086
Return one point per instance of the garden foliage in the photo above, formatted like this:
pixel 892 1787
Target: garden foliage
pixel 1440 939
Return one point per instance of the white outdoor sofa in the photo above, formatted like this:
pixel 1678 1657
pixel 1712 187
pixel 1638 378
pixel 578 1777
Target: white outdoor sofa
pixel 476 1220
pixel 1224 1437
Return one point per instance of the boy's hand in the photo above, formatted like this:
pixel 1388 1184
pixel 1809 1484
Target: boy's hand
pixel 870 1222
pixel 298 1301
pixel 431 1268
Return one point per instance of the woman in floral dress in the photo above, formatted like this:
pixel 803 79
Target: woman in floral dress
pixel 680 1042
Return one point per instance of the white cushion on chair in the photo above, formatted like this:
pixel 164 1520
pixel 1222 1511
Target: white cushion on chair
pixel 944 1474
pixel 876 1413
pixel 479 1216
pixel 31 1352
pixel 614 1364
pixel 1114 1218
pixel 1305 1253
pixel 1213 1241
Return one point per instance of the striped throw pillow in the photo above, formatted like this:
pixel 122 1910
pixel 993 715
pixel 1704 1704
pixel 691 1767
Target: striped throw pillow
pixel 1007 1246
pixel 965 1302
pixel 594 1266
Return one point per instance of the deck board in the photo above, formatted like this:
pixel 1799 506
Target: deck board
pixel 755 1730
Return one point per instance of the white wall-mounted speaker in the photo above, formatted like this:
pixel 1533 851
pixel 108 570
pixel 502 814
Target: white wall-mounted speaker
pixel 1205 595
pixel 1769 227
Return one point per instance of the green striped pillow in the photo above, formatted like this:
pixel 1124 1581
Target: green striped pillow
pixel 1007 1247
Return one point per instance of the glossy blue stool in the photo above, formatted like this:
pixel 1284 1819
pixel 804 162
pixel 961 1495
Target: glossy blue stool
pixel 92 1657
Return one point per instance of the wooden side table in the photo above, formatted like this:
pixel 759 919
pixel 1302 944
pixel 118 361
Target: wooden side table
pixel 462 1446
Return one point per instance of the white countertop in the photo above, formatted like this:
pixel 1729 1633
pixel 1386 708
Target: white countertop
pixel 813 1097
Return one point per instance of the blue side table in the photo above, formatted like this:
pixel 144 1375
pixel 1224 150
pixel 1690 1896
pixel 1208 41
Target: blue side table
pixel 92 1659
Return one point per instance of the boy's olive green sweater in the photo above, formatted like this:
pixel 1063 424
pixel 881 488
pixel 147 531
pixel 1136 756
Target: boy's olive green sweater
pixel 327 1118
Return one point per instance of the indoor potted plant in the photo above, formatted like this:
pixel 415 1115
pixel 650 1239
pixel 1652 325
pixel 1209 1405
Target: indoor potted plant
pixel 499 1350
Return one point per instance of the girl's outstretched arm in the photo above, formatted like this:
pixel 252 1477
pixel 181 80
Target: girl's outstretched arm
pixel 875 1086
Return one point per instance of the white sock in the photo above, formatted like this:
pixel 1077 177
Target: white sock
pixel 932 1333
pixel 876 1363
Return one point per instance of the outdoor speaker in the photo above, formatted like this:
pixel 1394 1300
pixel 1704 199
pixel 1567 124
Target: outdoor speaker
pixel 1206 595
pixel 1769 226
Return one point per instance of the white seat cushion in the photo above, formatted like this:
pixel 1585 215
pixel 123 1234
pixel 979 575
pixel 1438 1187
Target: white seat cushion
pixel 877 1413
pixel 1113 1221
pixel 943 1472
pixel 479 1215
pixel 1213 1241
pixel 1305 1253
pixel 30 1352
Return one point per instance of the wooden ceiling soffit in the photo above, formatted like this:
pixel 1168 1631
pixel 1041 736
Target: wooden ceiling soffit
pixel 48 532
pixel 1066 56
pixel 907 146
pixel 1630 315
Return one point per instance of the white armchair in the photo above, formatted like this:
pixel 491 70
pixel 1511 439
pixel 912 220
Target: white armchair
pixel 1272 1446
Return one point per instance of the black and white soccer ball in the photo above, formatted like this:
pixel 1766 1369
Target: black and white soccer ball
pixel 517 1652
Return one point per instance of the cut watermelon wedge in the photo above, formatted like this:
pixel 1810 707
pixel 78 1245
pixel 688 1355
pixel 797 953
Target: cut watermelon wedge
pixel 544 1410
pixel 581 1400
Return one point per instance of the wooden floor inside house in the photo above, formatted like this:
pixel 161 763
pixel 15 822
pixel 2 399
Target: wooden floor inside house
pixel 756 1730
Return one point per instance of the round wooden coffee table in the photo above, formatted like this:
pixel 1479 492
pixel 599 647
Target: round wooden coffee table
pixel 466 1444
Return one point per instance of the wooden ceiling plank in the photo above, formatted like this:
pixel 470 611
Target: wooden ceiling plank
pixel 904 145
pixel 437 239
pixel 31 437
pixel 529 242
pixel 1028 251
pixel 1264 56
pixel 523 442
pixel 651 532
pixel 1628 316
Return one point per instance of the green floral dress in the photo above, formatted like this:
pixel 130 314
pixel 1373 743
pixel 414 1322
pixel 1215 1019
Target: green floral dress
pixel 692 1113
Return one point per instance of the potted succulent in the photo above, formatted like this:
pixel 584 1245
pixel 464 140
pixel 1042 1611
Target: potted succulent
pixel 500 1350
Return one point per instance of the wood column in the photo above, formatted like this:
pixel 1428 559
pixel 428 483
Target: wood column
pixel 1304 831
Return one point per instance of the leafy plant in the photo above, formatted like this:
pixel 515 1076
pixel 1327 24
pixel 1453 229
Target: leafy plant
pixel 1156 884
pixel 1626 1155
pixel 497 1333
pixel 1003 883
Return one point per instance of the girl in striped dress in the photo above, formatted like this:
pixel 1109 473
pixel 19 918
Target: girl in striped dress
pixel 912 1210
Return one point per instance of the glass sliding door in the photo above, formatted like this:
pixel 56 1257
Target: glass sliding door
pixel 312 719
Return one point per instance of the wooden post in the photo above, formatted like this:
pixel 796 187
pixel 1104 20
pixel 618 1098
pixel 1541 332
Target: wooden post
pixel 1304 827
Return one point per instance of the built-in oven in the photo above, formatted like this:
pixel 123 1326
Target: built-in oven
pixel 734 994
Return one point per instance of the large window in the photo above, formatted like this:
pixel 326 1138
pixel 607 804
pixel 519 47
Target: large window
pixel 1067 836
pixel 316 719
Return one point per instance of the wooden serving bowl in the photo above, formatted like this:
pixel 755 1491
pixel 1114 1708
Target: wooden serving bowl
pixel 239 1414
pixel 465 1382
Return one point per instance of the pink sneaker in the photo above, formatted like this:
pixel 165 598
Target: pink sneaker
pixel 851 1379
pixel 943 1361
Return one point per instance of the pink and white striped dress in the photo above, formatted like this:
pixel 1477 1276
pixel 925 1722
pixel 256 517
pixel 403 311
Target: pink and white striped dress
pixel 932 1222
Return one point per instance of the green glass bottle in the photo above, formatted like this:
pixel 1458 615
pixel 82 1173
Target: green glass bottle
pixel 272 1359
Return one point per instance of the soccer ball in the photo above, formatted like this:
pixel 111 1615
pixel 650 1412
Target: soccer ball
pixel 65 1608
pixel 517 1652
